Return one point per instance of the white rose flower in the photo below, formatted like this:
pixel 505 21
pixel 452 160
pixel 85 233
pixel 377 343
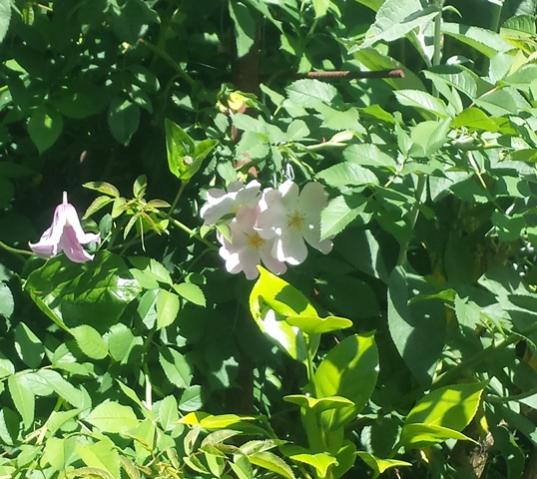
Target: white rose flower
pixel 246 248
pixel 290 219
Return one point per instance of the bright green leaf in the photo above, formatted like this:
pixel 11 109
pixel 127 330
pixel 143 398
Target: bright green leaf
pixel 110 416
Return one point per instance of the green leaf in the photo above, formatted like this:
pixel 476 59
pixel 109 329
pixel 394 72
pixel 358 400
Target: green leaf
pixel 97 204
pixel 123 119
pixel 28 346
pixel 6 368
pixel 308 93
pixel 418 436
pixel 348 174
pixel 269 461
pixel 487 42
pixel 23 398
pixel 7 304
pixel 395 18
pixel 5 17
pixel 63 388
pixel 245 27
pixel 102 187
pixel 121 341
pixel 321 461
pixel 317 325
pixel 421 100
pixel 319 405
pixel 321 7
pixel 45 127
pixel 428 137
pixel 60 453
pixel 522 77
pixel 95 295
pixel 184 155
pixel 191 292
pixel 475 119
pixel 191 399
pixel 102 456
pixel 380 465
pixel 459 77
pixel 417 334
pixel 349 370
pixel 369 155
pixel 168 413
pixel 110 416
pixel 167 308
pixel 341 212
pixel 372 59
pixel 221 421
pixel 175 367
pixel 271 300
pixel 450 406
pixel 90 341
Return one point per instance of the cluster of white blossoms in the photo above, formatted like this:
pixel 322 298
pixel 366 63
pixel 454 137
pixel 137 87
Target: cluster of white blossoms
pixel 270 226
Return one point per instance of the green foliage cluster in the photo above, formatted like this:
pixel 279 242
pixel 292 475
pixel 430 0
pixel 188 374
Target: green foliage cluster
pixel 409 351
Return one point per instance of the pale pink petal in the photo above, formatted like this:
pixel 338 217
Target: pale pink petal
pixel 46 246
pixel 212 211
pixel 272 217
pixel 272 264
pixel 313 237
pixel 72 248
pixel 290 248
pixel 248 195
pixel 232 259
pixel 313 199
pixel 289 192
pixel 249 259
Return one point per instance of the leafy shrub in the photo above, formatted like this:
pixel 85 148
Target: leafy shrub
pixel 407 351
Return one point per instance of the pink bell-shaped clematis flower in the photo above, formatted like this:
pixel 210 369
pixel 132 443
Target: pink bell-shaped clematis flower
pixel 221 203
pixel 245 249
pixel 65 234
pixel 290 219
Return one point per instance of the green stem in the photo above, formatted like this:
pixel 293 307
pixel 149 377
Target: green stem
pixel 437 41
pixel 471 363
pixel 177 197
pixel 169 60
pixel 414 213
pixel 15 251
pixel 190 232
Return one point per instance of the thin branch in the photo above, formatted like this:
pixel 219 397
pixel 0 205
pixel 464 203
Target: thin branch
pixel 354 74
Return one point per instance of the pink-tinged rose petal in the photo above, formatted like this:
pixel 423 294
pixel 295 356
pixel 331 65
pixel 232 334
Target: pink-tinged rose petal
pixel 221 203
pixel 290 248
pixel 313 199
pixel 289 192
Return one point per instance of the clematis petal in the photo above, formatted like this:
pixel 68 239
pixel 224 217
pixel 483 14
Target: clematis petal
pixel 72 248
pixel 46 247
pixel 290 248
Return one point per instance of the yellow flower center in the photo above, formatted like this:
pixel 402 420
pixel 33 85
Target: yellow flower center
pixel 255 241
pixel 295 220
